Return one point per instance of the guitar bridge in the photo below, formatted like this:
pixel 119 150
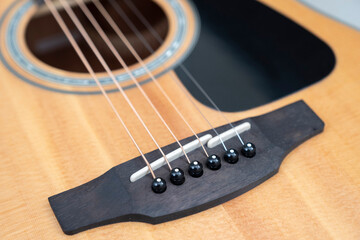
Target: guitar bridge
pixel 112 197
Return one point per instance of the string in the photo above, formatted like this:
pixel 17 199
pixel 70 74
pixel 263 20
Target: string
pixel 144 21
pixel 87 38
pixel 187 94
pixel 131 25
pixel 79 52
pixel 121 35
pixel 210 100
pixel 101 32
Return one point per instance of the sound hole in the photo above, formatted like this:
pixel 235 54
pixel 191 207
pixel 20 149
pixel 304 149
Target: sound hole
pixel 47 42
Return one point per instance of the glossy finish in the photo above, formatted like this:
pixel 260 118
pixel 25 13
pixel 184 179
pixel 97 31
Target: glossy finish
pixel 231 156
pixel 158 185
pixel 213 162
pixel 177 176
pixel 196 169
pixel 248 150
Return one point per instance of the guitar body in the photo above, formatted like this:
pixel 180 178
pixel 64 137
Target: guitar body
pixel 51 142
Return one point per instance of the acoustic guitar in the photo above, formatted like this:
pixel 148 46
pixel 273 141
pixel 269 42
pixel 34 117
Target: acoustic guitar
pixel 177 119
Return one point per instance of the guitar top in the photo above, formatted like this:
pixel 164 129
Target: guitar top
pixel 104 134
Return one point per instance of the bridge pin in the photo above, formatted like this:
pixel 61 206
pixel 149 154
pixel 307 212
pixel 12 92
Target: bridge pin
pixel 248 150
pixel 213 162
pixel 196 169
pixel 231 156
pixel 158 185
pixel 177 176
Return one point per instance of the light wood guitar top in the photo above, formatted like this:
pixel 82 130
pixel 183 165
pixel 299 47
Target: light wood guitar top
pixel 51 142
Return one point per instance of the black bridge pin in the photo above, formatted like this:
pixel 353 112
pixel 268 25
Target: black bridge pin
pixel 158 185
pixel 248 150
pixel 213 162
pixel 177 176
pixel 196 169
pixel 231 156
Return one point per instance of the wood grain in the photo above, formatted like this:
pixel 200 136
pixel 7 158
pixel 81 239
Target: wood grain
pixel 112 198
pixel 46 138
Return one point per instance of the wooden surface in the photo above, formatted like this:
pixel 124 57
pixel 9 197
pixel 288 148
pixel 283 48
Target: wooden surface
pixel 46 138
pixel 112 198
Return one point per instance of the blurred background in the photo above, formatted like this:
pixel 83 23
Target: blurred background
pixel 257 54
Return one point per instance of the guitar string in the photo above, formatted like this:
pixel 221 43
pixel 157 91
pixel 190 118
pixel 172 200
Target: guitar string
pixel 211 101
pixel 87 38
pixel 101 32
pixel 123 38
pixel 146 23
pixel 87 65
pixel 116 6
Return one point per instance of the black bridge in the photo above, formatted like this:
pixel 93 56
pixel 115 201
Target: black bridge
pixel 112 198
